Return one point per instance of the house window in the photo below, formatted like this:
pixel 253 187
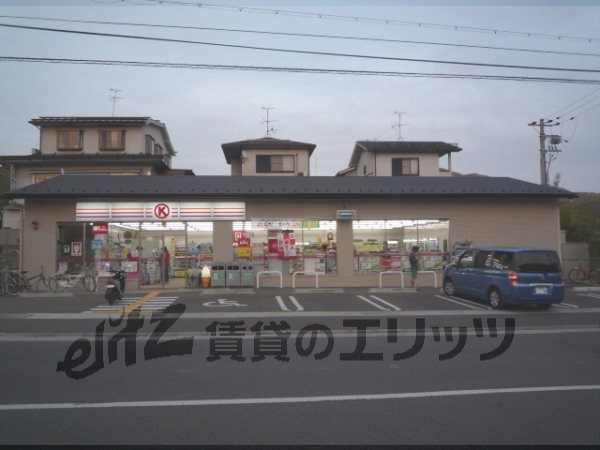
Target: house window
pixel 112 139
pixel 149 144
pixel 69 139
pixel 38 177
pixel 158 150
pixel 274 163
pixel 405 166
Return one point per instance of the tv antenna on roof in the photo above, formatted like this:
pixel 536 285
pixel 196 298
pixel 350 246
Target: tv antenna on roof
pixel 267 122
pixel 114 97
pixel 399 124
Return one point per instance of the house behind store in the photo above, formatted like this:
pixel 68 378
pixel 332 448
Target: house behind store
pixel 270 212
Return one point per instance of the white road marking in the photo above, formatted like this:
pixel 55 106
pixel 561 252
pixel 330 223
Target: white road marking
pixel 568 304
pixel 372 303
pixel 298 306
pixel 281 304
pixel 460 303
pixel 313 399
pixel 386 303
pixel 154 304
pixel 590 295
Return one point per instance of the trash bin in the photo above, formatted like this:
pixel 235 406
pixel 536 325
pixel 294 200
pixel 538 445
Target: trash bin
pixel 232 274
pixel 247 274
pixel 217 274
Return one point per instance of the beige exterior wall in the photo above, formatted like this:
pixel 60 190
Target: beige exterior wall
pixel 248 166
pixel 380 164
pixel 236 167
pixel 25 174
pixel 135 140
pixel 527 222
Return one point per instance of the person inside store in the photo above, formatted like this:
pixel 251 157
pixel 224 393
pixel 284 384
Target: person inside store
pixel 414 265
pixel 166 260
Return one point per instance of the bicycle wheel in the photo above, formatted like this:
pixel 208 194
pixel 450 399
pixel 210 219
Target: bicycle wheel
pixel 14 286
pixel 89 283
pixel 595 276
pixel 56 283
pixel 576 275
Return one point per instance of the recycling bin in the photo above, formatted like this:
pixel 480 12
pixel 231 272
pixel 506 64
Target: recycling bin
pixel 217 274
pixel 247 274
pixel 232 274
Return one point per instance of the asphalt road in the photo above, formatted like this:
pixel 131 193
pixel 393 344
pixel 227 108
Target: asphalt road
pixel 543 389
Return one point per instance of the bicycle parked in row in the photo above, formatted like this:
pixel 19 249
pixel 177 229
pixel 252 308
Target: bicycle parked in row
pixel 18 282
pixel 63 281
pixel 579 274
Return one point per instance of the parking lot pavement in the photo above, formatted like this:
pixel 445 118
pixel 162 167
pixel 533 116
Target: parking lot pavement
pixel 281 301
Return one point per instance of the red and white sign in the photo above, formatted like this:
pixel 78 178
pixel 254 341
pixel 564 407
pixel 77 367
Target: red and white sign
pixel 162 211
pixel 100 228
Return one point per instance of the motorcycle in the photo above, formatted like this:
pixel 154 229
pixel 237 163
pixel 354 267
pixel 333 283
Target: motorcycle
pixel 115 288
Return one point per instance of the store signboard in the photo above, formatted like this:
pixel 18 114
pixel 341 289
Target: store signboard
pixel 276 223
pixel 100 228
pixel 159 211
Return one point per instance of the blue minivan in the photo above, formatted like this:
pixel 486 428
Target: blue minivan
pixel 507 275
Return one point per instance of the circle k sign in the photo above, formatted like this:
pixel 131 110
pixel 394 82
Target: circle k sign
pixel 162 211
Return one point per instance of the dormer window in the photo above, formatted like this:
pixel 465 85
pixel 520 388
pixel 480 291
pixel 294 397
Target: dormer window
pixel 112 139
pixel 69 140
pixel 149 145
pixel 274 163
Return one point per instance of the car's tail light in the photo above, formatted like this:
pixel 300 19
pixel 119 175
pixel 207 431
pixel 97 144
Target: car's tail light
pixel 512 278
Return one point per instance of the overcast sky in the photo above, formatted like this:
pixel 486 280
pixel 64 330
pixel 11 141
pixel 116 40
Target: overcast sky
pixel 204 108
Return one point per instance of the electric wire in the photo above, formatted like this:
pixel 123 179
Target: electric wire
pixel 295 70
pixel 310 35
pixel 296 51
pixel 314 15
pixel 572 103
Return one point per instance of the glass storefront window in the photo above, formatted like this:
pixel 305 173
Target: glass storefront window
pixel 287 245
pixel 381 245
pixel 70 247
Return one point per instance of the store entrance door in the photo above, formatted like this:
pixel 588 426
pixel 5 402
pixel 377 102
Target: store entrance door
pixel 162 258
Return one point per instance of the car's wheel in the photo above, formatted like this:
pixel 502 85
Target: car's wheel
pixel 495 298
pixel 449 287
pixel 576 275
pixel 543 307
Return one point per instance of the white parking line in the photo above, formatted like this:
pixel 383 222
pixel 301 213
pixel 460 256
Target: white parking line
pixel 281 304
pixel 590 295
pixel 372 303
pixel 460 303
pixel 314 399
pixel 569 305
pixel 296 303
pixel 386 303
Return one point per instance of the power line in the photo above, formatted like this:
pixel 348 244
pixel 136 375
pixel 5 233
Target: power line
pixel 304 52
pixel 314 15
pixel 573 103
pixel 295 70
pixel 583 112
pixel 310 35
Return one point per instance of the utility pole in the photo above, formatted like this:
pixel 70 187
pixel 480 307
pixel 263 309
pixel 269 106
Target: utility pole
pixel 114 96
pixel 267 122
pixel 399 124
pixel 547 155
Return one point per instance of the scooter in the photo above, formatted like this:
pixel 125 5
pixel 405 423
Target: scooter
pixel 115 288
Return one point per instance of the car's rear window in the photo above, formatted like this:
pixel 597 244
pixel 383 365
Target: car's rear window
pixel 535 262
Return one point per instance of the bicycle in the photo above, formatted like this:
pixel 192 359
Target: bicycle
pixel 60 282
pixel 18 283
pixel 579 274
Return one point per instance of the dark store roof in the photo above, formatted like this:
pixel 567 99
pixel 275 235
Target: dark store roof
pixel 282 187
pixel 234 149
pixel 105 121
pixel 441 148
pixel 70 159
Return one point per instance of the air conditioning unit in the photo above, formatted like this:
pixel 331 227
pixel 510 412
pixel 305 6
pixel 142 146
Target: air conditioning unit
pixel 345 214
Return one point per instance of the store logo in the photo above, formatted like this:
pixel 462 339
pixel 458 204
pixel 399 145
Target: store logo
pixel 162 211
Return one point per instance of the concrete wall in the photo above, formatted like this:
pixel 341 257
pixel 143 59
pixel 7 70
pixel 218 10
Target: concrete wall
pixel 527 222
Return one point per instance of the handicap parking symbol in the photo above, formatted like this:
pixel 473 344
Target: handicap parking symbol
pixel 222 303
